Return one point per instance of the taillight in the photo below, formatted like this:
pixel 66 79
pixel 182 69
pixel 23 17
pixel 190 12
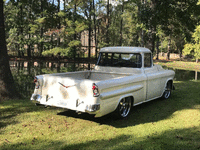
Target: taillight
pixel 37 84
pixel 35 79
pixel 95 90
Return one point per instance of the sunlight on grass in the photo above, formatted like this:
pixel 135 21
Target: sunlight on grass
pixel 193 66
pixel 158 124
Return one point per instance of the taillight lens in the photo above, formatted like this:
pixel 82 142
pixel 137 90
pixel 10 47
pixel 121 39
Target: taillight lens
pixel 37 84
pixel 35 80
pixel 95 90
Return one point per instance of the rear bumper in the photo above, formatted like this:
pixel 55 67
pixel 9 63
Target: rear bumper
pixel 91 108
pixel 36 98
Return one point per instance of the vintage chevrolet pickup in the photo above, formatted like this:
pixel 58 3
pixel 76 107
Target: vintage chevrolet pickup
pixel 122 78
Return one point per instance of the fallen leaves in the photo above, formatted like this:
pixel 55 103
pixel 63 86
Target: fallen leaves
pixel 7 141
pixel 33 141
pixel 179 137
pixel 24 125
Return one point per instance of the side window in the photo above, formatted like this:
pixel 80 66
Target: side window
pixel 147 60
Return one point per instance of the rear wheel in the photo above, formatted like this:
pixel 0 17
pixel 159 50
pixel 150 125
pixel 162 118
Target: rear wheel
pixel 167 92
pixel 124 107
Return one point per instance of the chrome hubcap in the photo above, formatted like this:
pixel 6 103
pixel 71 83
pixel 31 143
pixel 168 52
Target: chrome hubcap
pixel 167 92
pixel 125 107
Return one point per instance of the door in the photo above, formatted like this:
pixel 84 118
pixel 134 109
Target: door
pixel 153 78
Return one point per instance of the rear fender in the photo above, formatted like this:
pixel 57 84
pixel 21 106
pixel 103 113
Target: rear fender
pixel 171 83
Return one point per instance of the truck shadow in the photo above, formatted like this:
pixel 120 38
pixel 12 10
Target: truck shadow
pixel 153 111
pixel 139 114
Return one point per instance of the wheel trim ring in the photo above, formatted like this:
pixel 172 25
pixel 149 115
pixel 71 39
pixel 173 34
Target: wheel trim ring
pixel 167 93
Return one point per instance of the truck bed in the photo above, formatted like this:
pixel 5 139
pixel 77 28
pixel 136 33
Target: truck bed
pixel 66 89
pixel 90 75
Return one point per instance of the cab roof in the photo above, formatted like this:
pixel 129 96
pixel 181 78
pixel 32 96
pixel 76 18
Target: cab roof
pixel 125 49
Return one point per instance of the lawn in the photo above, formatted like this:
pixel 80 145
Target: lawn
pixel 185 65
pixel 160 124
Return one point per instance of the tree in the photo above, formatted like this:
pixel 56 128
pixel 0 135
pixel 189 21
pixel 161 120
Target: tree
pixel 178 21
pixel 194 47
pixel 7 87
pixel 71 30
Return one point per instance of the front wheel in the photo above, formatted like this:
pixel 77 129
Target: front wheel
pixel 124 107
pixel 167 92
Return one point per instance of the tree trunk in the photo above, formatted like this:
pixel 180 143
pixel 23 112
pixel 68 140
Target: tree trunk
pixel 89 33
pixel 41 30
pixel 74 20
pixel 107 23
pixel 121 24
pixel 95 29
pixel 169 49
pixel 7 87
pixel 153 41
pixel 157 49
pixel 29 35
pixel 21 30
pixel 64 38
pixel 59 23
pixel 180 53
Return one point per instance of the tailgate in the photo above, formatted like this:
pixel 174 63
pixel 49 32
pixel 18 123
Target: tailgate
pixel 67 92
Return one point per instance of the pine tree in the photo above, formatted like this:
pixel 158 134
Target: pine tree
pixel 71 30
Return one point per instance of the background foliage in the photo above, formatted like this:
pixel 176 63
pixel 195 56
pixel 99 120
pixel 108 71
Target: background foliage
pixel 46 27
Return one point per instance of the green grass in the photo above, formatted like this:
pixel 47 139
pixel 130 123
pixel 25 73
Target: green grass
pixel 160 124
pixel 186 65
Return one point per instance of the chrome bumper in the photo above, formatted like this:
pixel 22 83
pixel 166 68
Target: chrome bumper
pixel 36 98
pixel 92 108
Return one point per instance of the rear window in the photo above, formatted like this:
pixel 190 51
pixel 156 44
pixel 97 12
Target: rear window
pixel 132 60
pixel 147 60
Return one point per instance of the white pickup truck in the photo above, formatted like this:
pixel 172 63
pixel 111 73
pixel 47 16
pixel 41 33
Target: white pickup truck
pixel 122 78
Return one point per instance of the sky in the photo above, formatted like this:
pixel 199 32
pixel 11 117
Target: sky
pixel 112 2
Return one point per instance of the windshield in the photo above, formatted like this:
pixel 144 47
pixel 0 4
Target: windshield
pixel 132 60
